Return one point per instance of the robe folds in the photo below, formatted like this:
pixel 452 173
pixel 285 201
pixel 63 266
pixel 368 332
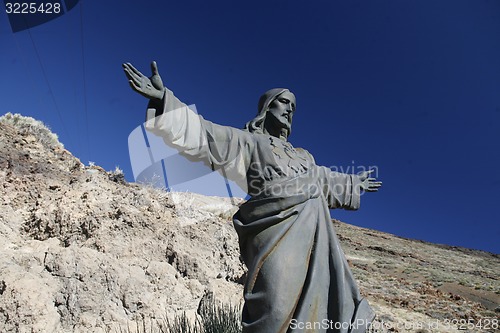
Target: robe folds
pixel 298 278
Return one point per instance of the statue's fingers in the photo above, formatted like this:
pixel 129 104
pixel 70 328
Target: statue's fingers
pixel 132 75
pixel 125 67
pixel 134 70
pixel 134 85
pixel 154 68
pixel 128 67
pixel 135 73
pixel 127 73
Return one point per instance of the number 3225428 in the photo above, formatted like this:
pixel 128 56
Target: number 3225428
pixel 32 8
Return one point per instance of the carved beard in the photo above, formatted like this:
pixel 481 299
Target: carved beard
pixel 284 129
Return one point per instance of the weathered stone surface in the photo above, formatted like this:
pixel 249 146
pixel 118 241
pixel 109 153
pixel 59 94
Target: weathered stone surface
pixel 81 252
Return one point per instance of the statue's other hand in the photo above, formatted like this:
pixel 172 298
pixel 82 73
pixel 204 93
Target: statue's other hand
pixel 151 88
pixel 369 184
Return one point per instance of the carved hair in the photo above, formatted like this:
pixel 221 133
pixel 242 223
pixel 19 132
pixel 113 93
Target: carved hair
pixel 256 125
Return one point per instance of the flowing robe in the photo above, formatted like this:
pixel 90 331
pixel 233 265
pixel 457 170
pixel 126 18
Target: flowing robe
pixel 298 277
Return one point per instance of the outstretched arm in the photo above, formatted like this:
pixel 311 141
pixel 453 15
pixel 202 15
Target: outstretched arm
pixel 344 190
pixel 196 138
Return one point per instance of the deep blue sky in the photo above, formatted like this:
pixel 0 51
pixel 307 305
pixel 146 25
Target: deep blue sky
pixel 412 87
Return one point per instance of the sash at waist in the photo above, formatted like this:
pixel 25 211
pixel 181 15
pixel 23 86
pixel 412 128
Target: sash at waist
pixel 279 196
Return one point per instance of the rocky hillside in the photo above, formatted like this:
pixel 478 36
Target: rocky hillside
pixel 81 250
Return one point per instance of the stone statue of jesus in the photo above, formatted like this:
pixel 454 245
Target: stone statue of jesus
pixel 298 277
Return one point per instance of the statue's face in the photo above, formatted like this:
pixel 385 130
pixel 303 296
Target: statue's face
pixel 281 111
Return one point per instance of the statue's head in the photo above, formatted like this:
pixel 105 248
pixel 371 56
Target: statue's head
pixel 275 113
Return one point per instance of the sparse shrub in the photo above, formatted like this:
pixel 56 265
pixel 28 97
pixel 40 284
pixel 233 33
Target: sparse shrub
pixel 29 125
pixel 180 324
pixel 219 318
pixel 214 317
pixel 117 175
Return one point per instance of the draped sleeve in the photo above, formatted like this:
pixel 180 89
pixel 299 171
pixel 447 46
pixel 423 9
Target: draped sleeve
pixel 340 190
pixel 220 147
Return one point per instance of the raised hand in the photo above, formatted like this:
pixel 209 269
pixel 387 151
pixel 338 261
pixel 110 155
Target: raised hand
pixel 369 184
pixel 151 88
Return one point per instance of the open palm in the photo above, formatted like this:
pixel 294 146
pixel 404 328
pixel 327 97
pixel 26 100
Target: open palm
pixel 151 88
pixel 369 184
